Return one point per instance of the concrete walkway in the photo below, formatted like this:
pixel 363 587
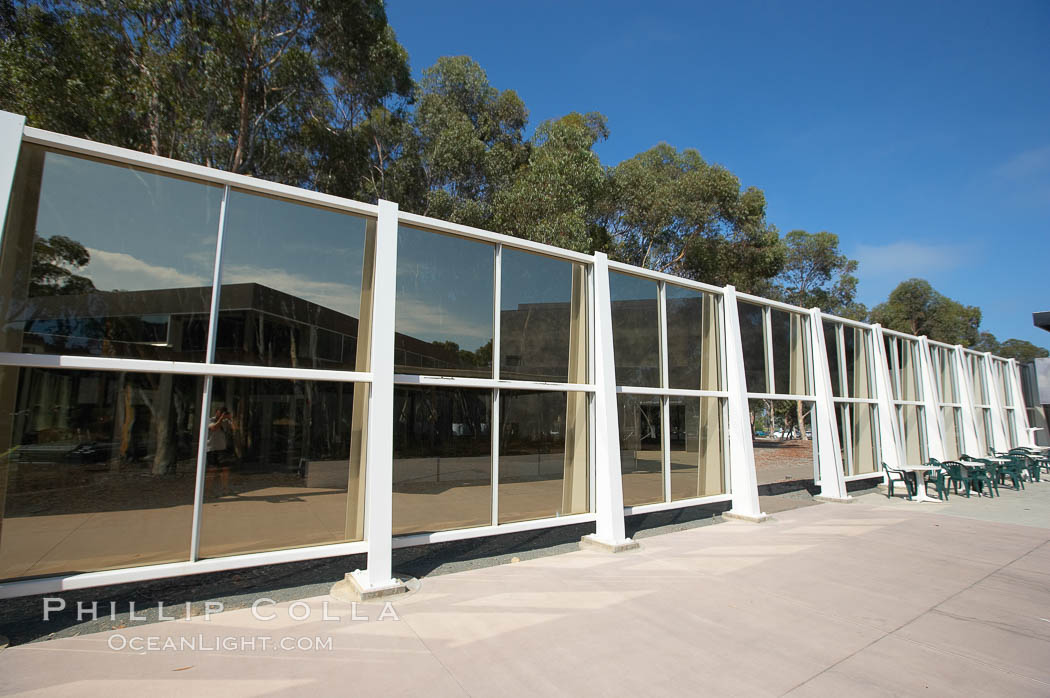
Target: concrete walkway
pixel 874 598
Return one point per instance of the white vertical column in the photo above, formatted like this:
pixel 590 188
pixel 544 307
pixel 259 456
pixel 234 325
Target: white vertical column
pixel 11 126
pixel 608 487
pixel 971 442
pixel 889 429
pixel 995 397
pixel 665 401
pixel 497 302
pixel 829 451
pixel 743 480
pixel 378 579
pixel 931 402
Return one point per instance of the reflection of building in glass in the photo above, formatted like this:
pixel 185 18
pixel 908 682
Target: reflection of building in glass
pixel 117 399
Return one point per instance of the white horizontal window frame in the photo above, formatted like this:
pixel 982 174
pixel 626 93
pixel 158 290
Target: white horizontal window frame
pixel 123 156
pixel 105 363
pixel 145 573
pixel 489 383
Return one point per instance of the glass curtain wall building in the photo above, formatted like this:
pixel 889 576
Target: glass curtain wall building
pixel 202 371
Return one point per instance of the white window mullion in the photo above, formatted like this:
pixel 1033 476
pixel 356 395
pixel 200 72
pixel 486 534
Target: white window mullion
pixel 202 434
pixel 665 406
pixel 767 342
pixel 494 427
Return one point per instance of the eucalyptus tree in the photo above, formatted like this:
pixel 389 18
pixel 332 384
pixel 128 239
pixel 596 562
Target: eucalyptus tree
pixel 671 211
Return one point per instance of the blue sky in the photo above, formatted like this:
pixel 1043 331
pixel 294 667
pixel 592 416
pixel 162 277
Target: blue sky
pixel 919 132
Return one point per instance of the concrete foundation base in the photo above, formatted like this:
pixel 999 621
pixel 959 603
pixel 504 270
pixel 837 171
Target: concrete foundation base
pixel 761 518
pixel 354 588
pixel 834 500
pixel 589 541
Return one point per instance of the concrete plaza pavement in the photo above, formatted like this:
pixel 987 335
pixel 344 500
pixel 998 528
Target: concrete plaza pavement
pixel 876 598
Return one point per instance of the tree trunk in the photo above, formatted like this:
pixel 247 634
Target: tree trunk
pixel 240 153
pixel 163 427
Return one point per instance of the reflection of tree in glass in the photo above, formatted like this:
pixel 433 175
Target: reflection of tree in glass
pixel 480 357
pixel 54 259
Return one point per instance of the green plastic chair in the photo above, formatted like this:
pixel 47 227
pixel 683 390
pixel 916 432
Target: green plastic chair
pixel 901 477
pixel 939 478
pixel 1015 468
pixel 1029 461
pixel 979 477
pixel 957 476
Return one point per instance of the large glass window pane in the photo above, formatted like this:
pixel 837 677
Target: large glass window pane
pixel 977 378
pixel 543 462
pixel 945 375
pixel 97 469
pixel 858 365
pixel 641 455
pixel 543 318
pixel 106 260
pixel 842 418
pixel 442 459
pixel 910 370
pixel 988 438
pixel 913 430
pixel 952 432
pixel 893 365
pixel 279 472
pixel 831 345
pixel 443 311
pixel 692 339
pixel 696 447
pixel 753 344
pixel 636 330
pixel 790 369
pixel 291 285
pixel 865 448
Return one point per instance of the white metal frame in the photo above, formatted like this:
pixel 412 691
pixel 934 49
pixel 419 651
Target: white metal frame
pixel 1003 401
pixel 846 401
pixel 665 392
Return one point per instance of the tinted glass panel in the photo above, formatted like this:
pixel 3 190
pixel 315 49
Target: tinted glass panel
pixel 636 330
pixel 442 459
pixel 543 319
pixel 99 469
pixel 858 363
pixel 692 339
pixel 106 260
pixel 696 447
pixel 443 312
pixel 909 351
pixel 914 433
pixel 892 366
pixel 977 378
pixel 279 471
pixel 945 375
pixel 641 456
pixel 538 476
pixel 832 346
pixel 952 432
pixel 789 353
pixel 842 418
pixel 864 428
pixel 291 284
pixel 752 339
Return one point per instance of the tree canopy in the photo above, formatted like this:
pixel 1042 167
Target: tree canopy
pixel 319 94
pixel 817 274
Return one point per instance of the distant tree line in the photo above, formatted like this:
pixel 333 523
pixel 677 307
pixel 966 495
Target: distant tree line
pixel 319 94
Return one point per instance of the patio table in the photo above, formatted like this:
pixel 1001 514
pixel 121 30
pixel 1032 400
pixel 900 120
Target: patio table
pixel 920 484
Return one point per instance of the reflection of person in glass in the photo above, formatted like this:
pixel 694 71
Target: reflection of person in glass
pixel 220 439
